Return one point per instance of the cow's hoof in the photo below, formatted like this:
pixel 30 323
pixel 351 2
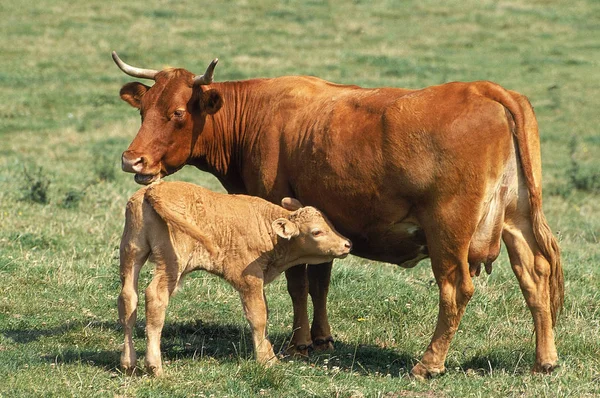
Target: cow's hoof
pixel 420 372
pixel 300 350
pixel 325 344
pixel 545 368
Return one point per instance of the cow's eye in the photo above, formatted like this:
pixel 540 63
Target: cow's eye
pixel 179 113
pixel 317 232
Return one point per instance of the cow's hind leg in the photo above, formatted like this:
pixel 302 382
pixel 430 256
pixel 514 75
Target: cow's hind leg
pixel 132 257
pixel 533 271
pixel 158 293
pixel 319 277
pixel 448 236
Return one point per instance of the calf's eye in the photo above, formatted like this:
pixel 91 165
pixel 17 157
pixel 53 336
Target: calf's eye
pixel 317 232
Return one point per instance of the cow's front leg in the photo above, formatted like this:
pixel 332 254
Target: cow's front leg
pixel 318 287
pixel 297 285
pixel 157 299
pixel 255 309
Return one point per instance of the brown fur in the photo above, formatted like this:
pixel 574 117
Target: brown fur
pixel 445 172
pixel 245 240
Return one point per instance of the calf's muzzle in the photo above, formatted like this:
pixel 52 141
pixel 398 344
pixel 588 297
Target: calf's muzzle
pixel 347 246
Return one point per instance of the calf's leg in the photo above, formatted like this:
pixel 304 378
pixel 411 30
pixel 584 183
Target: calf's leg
pixel 255 309
pixel 132 258
pixel 158 293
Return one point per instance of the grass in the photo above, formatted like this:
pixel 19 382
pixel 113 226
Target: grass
pixel 62 196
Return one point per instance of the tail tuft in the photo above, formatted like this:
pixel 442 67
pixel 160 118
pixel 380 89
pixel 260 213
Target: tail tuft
pixel 551 251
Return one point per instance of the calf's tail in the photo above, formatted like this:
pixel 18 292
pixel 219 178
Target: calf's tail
pixel 167 211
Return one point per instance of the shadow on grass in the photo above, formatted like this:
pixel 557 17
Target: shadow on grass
pixel 365 359
pixel 231 343
pixel 511 362
pixel 27 335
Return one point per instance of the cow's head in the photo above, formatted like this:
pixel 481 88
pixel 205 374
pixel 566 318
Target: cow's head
pixel 173 112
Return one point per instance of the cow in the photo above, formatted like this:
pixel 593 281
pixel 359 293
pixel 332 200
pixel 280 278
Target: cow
pixel 446 172
pixel 244 239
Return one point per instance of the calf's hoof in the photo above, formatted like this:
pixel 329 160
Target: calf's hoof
pixel 128 370
pixel 545 368
pixel 323 344
pixel 128 364
pixel 421 372
pixel 268 362
pixel 154 370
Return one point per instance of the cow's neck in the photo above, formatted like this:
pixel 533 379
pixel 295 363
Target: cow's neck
pixel 227 139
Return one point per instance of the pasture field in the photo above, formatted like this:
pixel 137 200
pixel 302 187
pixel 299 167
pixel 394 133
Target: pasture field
pixel 62 196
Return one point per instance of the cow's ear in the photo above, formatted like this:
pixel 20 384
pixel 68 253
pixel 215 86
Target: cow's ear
pixel 285 228
pixel 291 204
pixel 211 101
pixel 133 92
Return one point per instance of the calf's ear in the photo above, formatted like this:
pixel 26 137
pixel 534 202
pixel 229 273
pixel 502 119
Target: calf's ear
pixel 291 204
pixel 133 92
pixel 285 228
pixel 211 101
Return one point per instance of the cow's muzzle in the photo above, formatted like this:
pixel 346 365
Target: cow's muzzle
pixel 132 164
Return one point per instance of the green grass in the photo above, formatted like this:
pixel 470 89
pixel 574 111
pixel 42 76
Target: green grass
pixel 62 196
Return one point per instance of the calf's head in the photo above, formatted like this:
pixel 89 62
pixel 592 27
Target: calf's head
pixel 314 240
pixel 173 113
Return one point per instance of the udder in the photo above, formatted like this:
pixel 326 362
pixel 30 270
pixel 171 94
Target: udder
pixel 485 243
pixel 402 243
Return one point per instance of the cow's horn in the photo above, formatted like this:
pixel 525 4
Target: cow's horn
pixel 207 77
pixel 132 70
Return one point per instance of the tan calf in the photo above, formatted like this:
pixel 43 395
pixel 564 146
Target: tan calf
pixel 245 240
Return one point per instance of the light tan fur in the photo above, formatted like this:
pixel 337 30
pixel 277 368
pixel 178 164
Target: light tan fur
pixel 245 240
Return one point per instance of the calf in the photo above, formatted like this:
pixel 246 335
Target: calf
pixel 246 240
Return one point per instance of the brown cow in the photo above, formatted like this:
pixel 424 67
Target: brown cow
pixel 243 239
pixel 444 172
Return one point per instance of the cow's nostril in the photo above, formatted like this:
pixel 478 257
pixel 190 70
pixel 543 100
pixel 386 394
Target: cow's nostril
pixel 348 245
pixel 133 165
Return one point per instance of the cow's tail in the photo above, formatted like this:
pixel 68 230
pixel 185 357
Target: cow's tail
pixel 527 136
pixel 166 211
